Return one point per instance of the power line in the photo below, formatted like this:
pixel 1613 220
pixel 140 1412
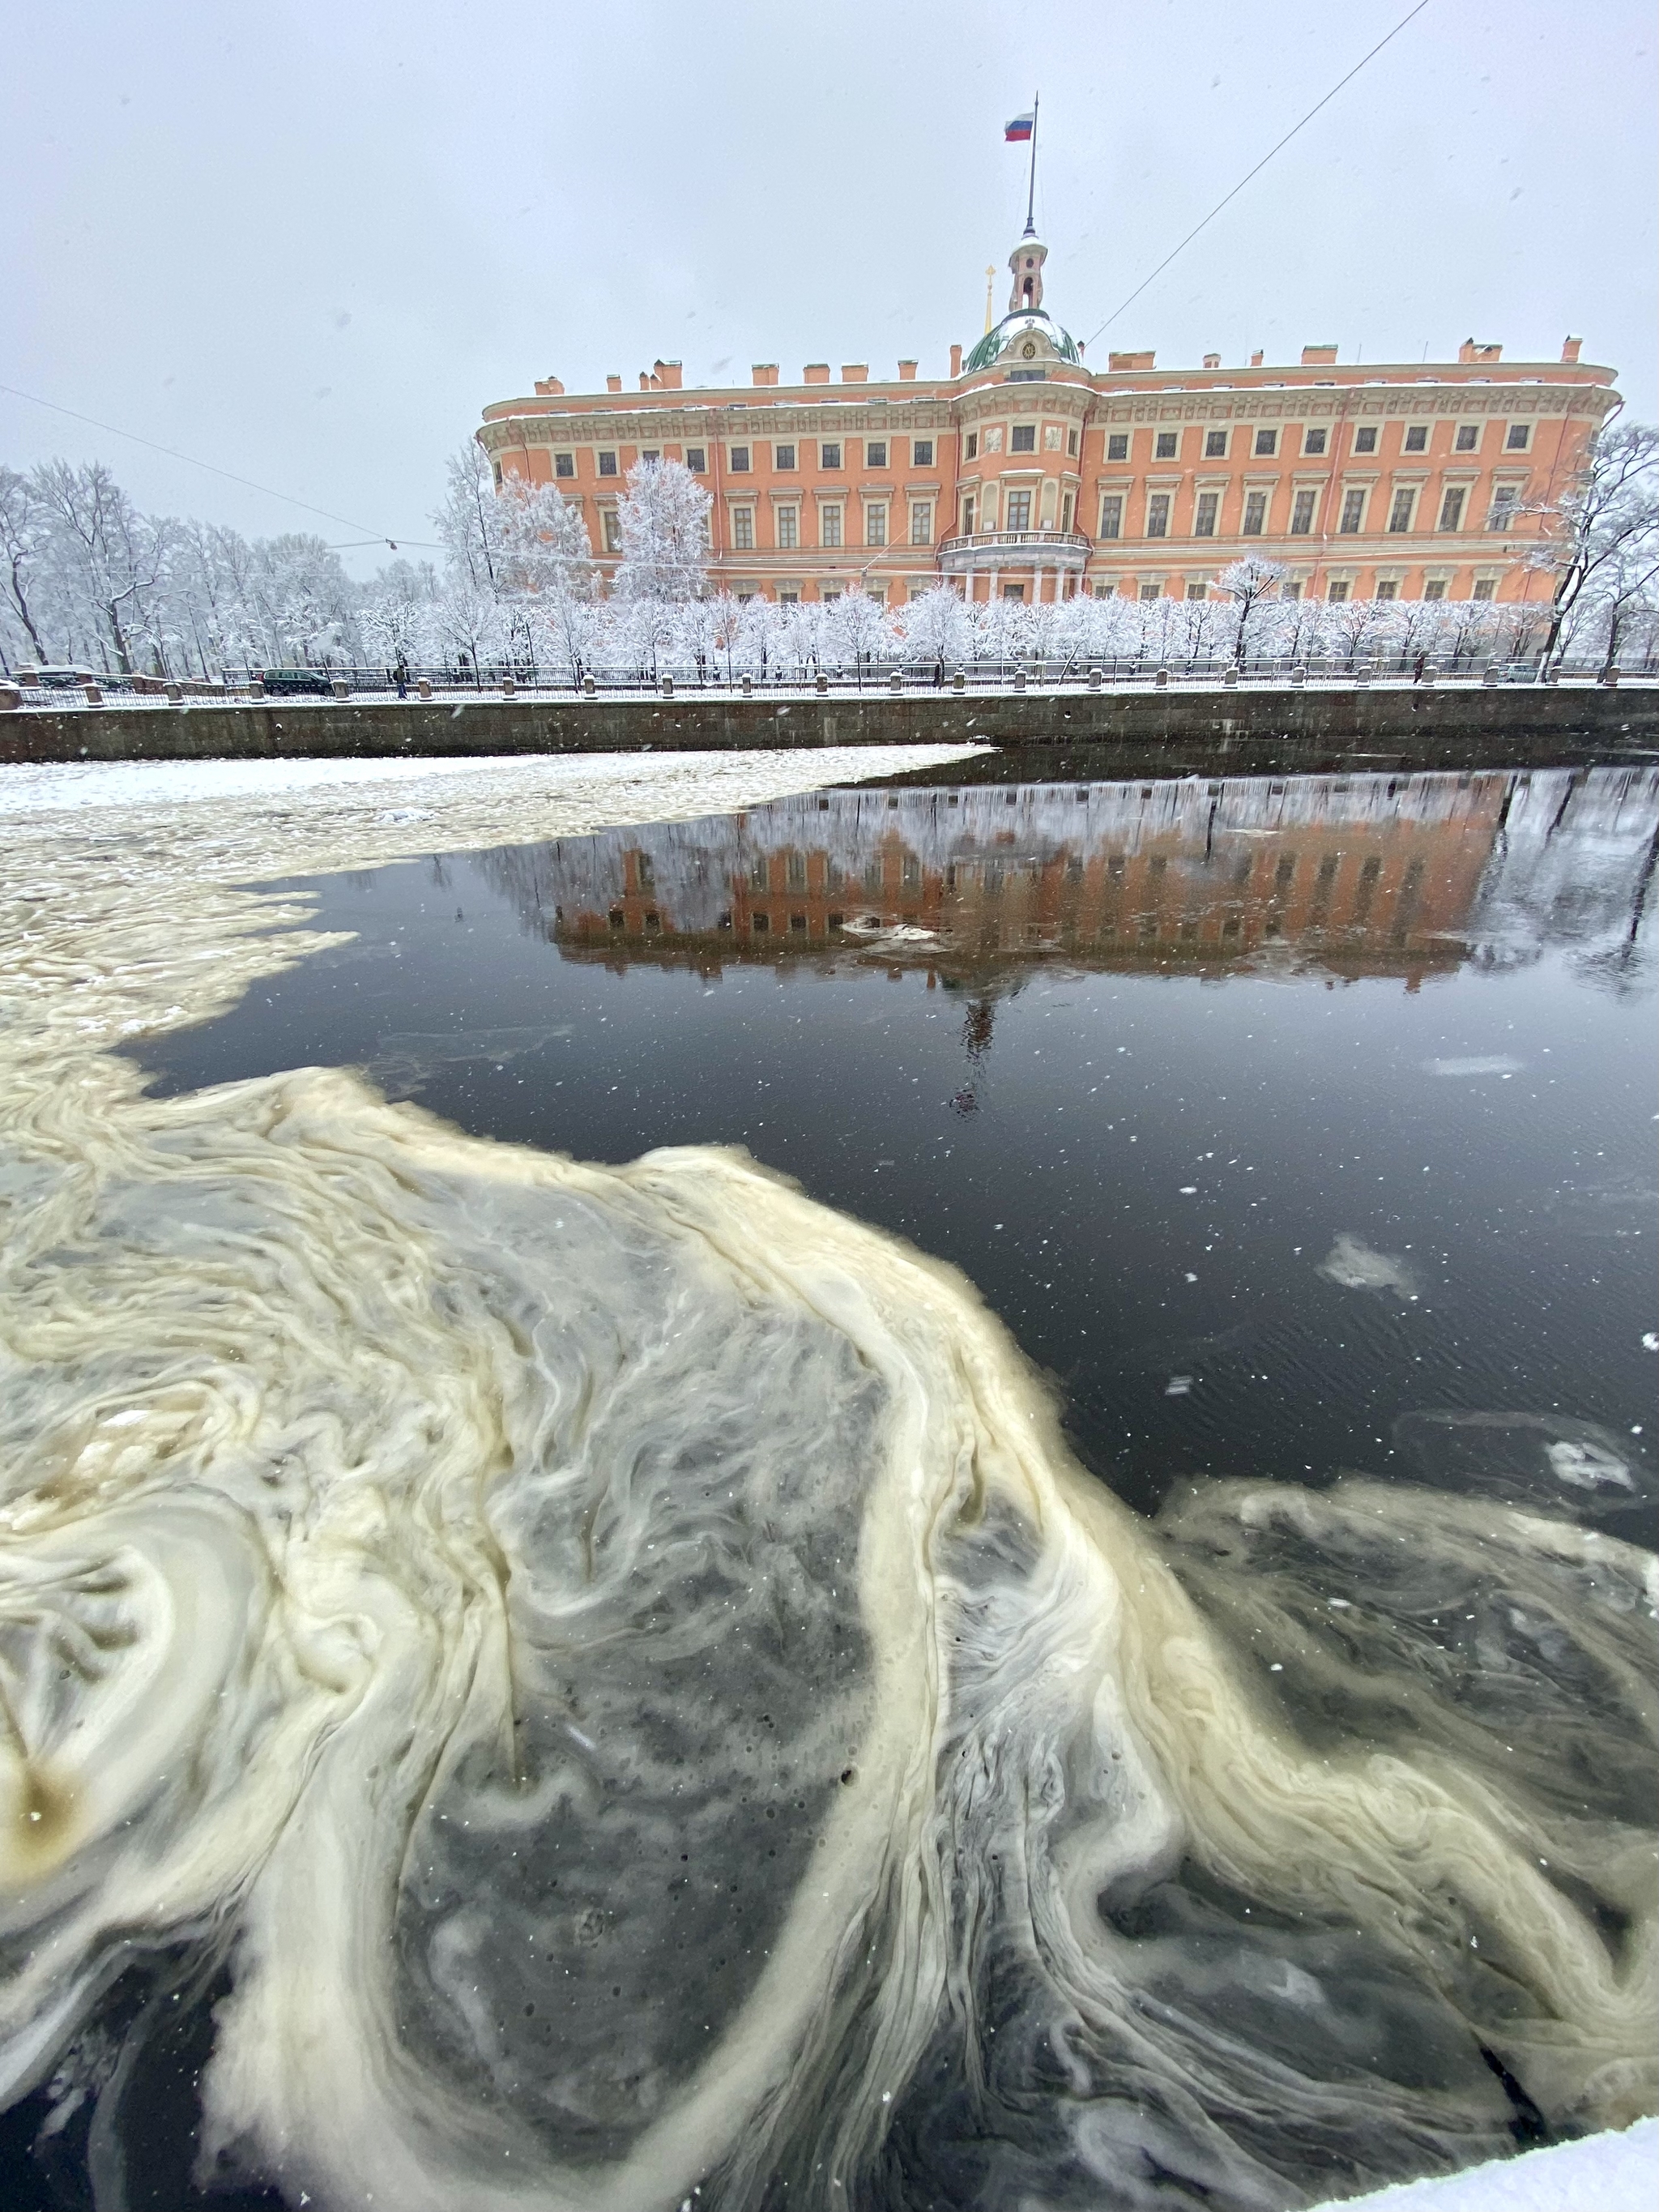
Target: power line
pixel 229 475
pixel 1259 166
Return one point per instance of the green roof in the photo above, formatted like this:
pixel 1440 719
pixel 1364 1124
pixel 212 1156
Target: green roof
pixel 997 340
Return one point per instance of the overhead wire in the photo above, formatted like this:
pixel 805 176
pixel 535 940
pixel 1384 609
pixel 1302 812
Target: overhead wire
pixel 1256 171
pixel 377 538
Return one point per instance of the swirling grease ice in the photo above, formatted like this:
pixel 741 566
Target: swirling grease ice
pixel 616 1673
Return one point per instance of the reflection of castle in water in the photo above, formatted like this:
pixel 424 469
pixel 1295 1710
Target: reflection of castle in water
pixel 1362 875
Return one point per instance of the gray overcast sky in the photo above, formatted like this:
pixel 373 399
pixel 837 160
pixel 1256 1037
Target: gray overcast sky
pixel 309 243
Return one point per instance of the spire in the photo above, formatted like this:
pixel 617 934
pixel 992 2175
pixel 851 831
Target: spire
pixel 990 279
pixel 1026 261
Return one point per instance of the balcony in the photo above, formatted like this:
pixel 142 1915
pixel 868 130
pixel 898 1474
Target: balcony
pixel 1063 550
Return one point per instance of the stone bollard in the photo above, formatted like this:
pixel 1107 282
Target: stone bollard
pixel 95 696
pixel 1489 673
pixel 1161 681
pixel 1094 679
pixel 339 687
pixel 256 689
pixel 1230 676
pixel 747 684
pixel 423 688
pixel 11 698
pixel 1608 679
pixel 1362 671
pixel 1298 673
pixel 667 687
pixel 174 693
pixel 895 683
pixel 1430 673
pixel 822 684
pixel 1019 679
pixel 587 685
pixel 959 681
pixel 509 687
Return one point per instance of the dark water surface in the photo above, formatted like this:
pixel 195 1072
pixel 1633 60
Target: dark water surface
pixel 1272 1115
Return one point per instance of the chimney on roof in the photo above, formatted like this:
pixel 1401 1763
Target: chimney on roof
pixel 1256 359
pixel 907 371
pixel 1212 361
pixel 1570 349
pixel 1318 356
pixel 646 382
pixel 549 387
pixel 1483 352
pixel 855 372
pixel 765 372
pixel 668 375
pixel 816 372
pixel 956 361
pixel 613 383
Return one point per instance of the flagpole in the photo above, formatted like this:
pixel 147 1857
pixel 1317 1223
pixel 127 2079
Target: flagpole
pixel 1030 196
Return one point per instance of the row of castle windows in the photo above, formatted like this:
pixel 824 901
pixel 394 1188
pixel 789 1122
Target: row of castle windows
pixel 1402 512
pixel 1315 439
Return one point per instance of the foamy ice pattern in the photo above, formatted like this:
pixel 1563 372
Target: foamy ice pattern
pixel 581 1686
pixel 1354 1266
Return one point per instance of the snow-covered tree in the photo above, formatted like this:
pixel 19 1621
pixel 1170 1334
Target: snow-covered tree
pixel 1610 507
pixel 663 515
pixel 936 630
pixel 24 542
pixel 110 556
pixel 1248 582
pixel 543 543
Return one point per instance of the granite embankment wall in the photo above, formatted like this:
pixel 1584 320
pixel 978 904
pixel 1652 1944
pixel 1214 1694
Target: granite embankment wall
pixel 1435 725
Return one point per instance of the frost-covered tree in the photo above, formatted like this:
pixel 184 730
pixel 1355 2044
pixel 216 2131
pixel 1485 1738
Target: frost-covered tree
pixel 110 557
pixel 663 515
pixel 1248 583
pixel 543 543
pixel 24 543
pixel 856 629
pixel 936 627
pixel 1610 507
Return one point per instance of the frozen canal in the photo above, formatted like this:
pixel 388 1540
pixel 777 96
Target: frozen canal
pixel 540 1677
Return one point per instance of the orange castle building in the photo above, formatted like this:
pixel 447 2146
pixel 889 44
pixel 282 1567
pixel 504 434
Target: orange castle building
pixel 1027 474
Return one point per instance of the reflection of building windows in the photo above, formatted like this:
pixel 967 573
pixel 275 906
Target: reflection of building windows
pixel 1416 438
pixel 873 878
pixel 783 456
pixel 1157 515
pixel 1019 510
pixel 1451 509
pixel 564 465
pixel 757 872
pixel 1467 439
pixel 1022 438
pixel 921 453
pixel 1167 445
pixel 1266 442
pixel 921 522
pixel 612 531
pixel 1204 517
pixel 788 528
pixel 911 873
pixel 1111 515
pixel 1505 503
pixel 1117 445
pixel 607 464
pixel 1354 514
pixel 1302 514
pixel 760 923
pixel 1215 445
pixel 829 526
pixel 1400 515
pixel 1313 441
pixel 795 872
pixel 1364 440
pixel 1256 513
pixel 743 529
pixel 829 453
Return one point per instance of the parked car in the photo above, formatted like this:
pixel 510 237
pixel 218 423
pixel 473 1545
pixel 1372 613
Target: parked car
pixel 298 682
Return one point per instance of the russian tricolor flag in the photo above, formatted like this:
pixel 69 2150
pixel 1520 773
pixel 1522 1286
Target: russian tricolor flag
pixel 1021 127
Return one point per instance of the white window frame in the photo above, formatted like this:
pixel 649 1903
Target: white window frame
pixel 875 520
pixel 921 522
pixel 832 511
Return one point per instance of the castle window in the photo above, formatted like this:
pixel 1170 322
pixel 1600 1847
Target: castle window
pixel 1066 512
pixel 1022 438
pixel 875 454
pixel 1051 437
pixel 1157 515
pixel 1215 449
pixel 607 464
pixel 1198 590
pixel 1400 515
pixel 1148 593
pixel 1354 514
pixel 1117 445
pixel 1485 587
pixel 921 522
pixel 1266 441
pixel 1256 513
pixel 1504 503
pixel 613 531
pixel 697 460
pixel 829 453
pixel 495 473
pixel 1313 441
pixel 921 453
pixel 1467 439
pixel 829 526
pixel 1019 510
pixel 783 456
pixel 971 451
pixel 1301 512
pixel 1336 591
pixel 1209 505
pixel 875 526
pixel 1071 443
pixel 743 529
pixel 1365 441
pixel 788 528
pixel 1111 515
pixel 1416 438
pixel 1435 588
pixel 1388 588
pixel 1451 509
pixel 650 453
pixel 564 465
pixel 1168 445
pixel 739 460
pixel 1519 438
